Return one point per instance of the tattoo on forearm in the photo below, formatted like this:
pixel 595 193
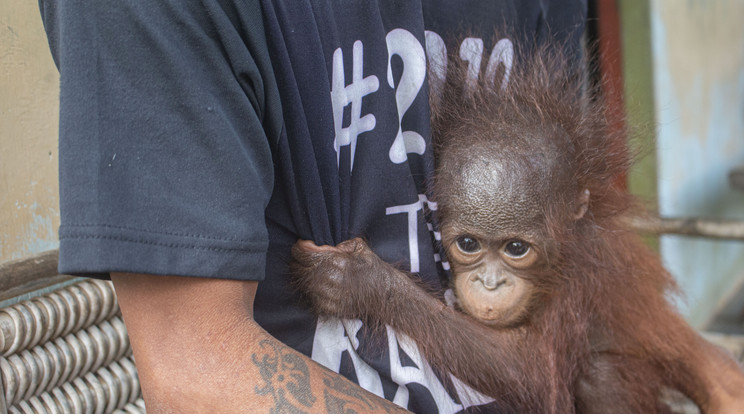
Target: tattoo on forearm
pixel 342 397
pixel 286 378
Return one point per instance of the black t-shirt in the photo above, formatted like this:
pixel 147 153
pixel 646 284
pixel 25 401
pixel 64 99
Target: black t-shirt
pixel 203 138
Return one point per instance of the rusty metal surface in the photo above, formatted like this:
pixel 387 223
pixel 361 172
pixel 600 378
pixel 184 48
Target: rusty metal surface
pixel 17 276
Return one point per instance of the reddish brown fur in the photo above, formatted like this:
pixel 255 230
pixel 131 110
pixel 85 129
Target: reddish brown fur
pixel 603 282
pixel 601 335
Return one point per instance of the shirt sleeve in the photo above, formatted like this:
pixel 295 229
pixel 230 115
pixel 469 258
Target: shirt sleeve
pixel 168 111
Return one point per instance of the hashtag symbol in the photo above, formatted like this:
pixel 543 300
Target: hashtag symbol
pixel 343 95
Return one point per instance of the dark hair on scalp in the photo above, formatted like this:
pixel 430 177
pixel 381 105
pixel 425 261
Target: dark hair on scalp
pixel 546 118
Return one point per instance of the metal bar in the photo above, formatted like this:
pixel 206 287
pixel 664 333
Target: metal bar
pixel 21 276
pixel 692 226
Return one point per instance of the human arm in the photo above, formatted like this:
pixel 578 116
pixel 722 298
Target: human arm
pixel 706 373
pixel 198 349
pixel 717 384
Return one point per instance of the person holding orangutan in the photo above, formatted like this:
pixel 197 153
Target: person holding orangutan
pixel 200 140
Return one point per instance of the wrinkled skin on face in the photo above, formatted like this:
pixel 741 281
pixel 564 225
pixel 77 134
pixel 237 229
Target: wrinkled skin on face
pixel 494 232
pixel 487 282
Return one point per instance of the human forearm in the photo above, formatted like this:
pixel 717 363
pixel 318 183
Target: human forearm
pixel 198 350
pixel 717 380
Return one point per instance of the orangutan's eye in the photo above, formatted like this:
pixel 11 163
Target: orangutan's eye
pixel 516 248
pixel 468 245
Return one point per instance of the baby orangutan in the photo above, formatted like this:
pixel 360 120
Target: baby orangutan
pixel 563 308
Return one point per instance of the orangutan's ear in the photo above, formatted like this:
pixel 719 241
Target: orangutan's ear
pixel 582 204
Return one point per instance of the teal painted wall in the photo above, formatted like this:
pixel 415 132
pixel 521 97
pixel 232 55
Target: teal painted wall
pixel 698 66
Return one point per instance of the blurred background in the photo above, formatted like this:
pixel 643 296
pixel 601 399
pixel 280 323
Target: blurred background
pixel 673 71
pixel 676 68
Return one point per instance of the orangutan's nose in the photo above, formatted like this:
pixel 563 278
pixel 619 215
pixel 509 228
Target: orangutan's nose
pixel 491 280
